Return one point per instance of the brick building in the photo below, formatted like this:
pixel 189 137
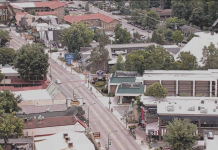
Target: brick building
pixel 97 20
pixel 54 8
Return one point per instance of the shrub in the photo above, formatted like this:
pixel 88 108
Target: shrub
pixel 111 94
pixel 104 90
pixel 99 84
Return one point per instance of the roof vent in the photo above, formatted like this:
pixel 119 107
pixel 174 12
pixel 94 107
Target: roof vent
pixel 67 138
pixel 65 134
pixel 70 144
pixel 47 110
pixel 202 101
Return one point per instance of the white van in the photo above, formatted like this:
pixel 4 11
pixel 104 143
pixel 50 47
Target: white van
pixel 58 81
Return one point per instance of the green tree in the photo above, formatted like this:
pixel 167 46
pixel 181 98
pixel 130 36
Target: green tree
pixel 31 61
pixel 76 55
pixel 122 36
pixel 140 4
pixel 186 61
pixel 76 36
pixel 4 35
pixel 87 6
pixel 136 38
pixel 152 58
pixel 9 102
pixel 119 64
pixel 177 37
pixel 99 55
pixel 10 125
pixel 180 134
pixel 104 39
pixel 2 76
pixel 191 36
pixel 7 56
pixel 210 57
pixel 158 37
pixel 152 19
pixel 66 11
pixel 1 148
pixel 174 22
pixel 156 90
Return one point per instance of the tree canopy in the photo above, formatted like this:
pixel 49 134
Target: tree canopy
pixel 156 90
pixel 7 56
pixel 210 57
pixel 140 4
pixel 186 61
pixel 119 64
pixel 180 134
pixel 10 125
pixel 9 102
pixel 87 6
pixel 152 19
pixel 149 59
pixel 122 36
pixel 31 61
pixel 2 76
pixel 4 35
pixel 76 36
pixel 177 36
pixel 99 55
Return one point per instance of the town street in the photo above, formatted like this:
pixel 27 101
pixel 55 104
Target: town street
pixel 16 41
pixel 129 27
pixel 101 120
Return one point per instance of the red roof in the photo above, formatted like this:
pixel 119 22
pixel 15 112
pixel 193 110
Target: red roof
pixel 53 122
pixel 99 16
pixel 47 13
pixel 52 4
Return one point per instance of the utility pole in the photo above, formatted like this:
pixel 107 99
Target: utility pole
pixel 109 102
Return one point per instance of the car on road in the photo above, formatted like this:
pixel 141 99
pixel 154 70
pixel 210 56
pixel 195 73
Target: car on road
pixel 184 42
pixel 210 135
pixel 111 35
pixel 149 31
pixel 143 37
pixel 136 25
pixel 58 81
pixel 119 19
pixel 129 22
pixel 143 28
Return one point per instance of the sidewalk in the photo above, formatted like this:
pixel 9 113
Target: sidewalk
pixel 140 134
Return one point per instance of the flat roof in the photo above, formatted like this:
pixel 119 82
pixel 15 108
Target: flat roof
pixel 131 90
pixel 121 79
pixel 130 45
pixel 34 95
pixel 188 107
pixel 57 142
pixel 9 71
pixel 196 45
pixel 210 74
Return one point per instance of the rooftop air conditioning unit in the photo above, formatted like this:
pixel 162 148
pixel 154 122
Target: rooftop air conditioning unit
pixel 70 144
pixel 67 138
pixel 65 134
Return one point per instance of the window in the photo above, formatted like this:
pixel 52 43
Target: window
pixel 92 24
pixel 6 77
pixel 96 24
pixel 18 77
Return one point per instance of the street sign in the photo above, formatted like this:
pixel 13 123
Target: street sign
pixel 96 135
pixel 69 56
pixel 69 61
pixel 109 142
pixel 74 102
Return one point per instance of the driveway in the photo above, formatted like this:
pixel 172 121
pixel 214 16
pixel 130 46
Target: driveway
pixel 211 144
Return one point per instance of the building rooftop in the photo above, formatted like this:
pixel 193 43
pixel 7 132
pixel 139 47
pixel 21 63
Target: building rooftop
pixel 47 13
pixel 51 5
pixel 210 74
pixel 9 71
pixel 53 122
pixel 39 109
pixel 79 18
pixel 196 45
pixel 34 95
pixel 200 107
pixel 130 88
pixel 123 76
pixel 57 141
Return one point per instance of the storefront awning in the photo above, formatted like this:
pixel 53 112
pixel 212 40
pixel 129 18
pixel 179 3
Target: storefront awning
pixel 152 128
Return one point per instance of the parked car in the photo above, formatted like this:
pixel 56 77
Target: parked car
pixel 149 31
pixel 136 25
pixel 129 22
pixel 111 35
pixel 143 37
pixel 184 42
pixel 143 28
pixel 210 135
pixel 58 81
pixel 119 19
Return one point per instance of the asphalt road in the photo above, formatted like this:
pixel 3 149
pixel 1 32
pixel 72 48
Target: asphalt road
pixel 101 120
pixel 16 42
pixel 124 22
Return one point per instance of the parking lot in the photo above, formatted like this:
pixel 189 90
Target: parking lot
pixel 211 144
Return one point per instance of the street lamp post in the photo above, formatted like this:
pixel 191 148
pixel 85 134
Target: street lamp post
pixel 109 102
pixel 109 137
pixel 88 112
pixel 74 89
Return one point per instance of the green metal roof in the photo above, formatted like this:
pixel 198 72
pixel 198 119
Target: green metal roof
pixel 131 90
pixel 121 79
